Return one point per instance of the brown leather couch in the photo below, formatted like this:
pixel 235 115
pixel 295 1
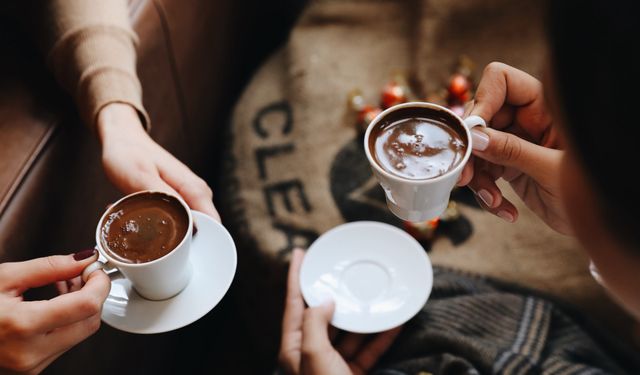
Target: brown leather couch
pixel 193 60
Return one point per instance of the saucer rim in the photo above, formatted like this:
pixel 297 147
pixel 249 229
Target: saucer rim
pixel 429 273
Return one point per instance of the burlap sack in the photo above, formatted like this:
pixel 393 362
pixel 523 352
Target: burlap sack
pixel 296 167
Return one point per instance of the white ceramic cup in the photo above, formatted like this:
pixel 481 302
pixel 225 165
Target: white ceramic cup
pixel 158 279
pixel 420 199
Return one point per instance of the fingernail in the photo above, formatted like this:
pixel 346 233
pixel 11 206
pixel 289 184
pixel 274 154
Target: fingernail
pixel 486 197
pixel 327 302
pixel 325 299
pixel 84 254
pixel 479 140
pixel 506 216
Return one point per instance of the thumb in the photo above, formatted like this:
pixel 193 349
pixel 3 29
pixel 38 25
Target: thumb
pixel 20 276
pixel 315 334
pixel 509 150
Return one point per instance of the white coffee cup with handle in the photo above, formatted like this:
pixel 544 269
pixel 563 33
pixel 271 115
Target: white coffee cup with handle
pixel 158 279
pixel 421 199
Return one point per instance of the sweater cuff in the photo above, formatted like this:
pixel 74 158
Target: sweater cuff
pixel 106 86
pixel 97 64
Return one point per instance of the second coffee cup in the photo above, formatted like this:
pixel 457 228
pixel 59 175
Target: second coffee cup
pixel 417 152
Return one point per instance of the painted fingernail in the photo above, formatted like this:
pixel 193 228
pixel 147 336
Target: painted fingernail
pixel 506 216
pixel 84 254
pixel 479 140
pixel 486 197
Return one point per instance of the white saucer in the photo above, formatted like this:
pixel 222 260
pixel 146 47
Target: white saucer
pixel 378 275
pixel 213 261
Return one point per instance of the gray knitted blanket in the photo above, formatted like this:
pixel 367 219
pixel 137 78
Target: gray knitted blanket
pixel 473 325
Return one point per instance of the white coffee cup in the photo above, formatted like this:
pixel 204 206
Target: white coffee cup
pixel 158 279
pixel 420 199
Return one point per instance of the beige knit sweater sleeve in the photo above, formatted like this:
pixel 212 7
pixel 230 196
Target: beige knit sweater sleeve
pixel 91 49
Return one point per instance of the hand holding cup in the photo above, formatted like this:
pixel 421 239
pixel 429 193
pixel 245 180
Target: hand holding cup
pixel 521 146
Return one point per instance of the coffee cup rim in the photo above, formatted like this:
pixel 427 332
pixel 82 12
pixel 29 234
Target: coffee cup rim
pixel 136 265
pixel 422 181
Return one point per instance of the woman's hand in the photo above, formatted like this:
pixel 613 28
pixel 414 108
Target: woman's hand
pixel 306 347
pixel 133 161
pixel 520 146
pixel 34 333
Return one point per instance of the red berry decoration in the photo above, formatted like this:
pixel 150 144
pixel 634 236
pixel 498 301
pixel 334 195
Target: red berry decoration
pixel 392 94
pixel 422 231
pixel 366 115
pixel 459 87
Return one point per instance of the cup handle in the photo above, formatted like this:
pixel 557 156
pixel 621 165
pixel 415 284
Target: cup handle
pixel 473 121
pixel 109 269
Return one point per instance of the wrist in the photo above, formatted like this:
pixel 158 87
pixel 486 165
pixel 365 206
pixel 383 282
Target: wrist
pixel 116 118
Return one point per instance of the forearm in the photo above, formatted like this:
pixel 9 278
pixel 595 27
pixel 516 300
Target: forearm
pixel 90 48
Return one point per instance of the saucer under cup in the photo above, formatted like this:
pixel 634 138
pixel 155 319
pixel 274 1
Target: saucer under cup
pixel 213 262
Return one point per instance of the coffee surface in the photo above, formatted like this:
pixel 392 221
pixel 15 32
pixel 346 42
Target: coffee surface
pixel 144 227
pixel 416 147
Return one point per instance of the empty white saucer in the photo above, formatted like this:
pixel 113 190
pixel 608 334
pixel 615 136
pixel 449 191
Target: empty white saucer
pixel 213 260
pixel 378 275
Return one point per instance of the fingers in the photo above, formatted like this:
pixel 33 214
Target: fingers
pixel 293 315
pixel 502 84
pixel 75 284
pixel 485 188
pixel 315 334
pixel 504 210
pixel 508 150
pixel 191 188
pixel 293 279
pixel 62 287
pixel 54 344
pixel 488 194
pixel 34 346
pixel 63 338
pixel 132 173
pixel 20 276
pixel 374 349
pixel 45 316
pixel 71 285
pixel 490 197
pixel 467 173
pixel 504 117
pixel 294 304
pixel 148 181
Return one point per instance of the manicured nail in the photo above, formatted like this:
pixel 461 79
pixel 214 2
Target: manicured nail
pixel 298 252
pixel 486 197
pixel 84 254
pixel 506 216
pixel 327 302
pixel 479 140
pixel 325 299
